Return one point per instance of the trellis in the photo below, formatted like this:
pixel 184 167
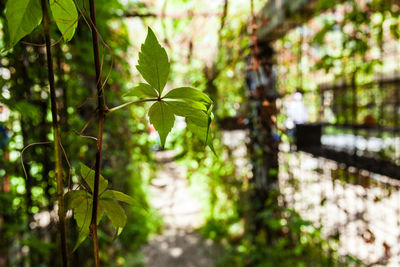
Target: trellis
pixel 366 117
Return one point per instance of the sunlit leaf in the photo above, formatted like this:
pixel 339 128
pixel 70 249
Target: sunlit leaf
pixel 65 16
pixel 83 216
pixel 117 195
pixel 210 117
pixel 200 127
pixel 189 94
pixel 162 118
pixel 119 231
pixel 143 90
pixel 153 62
pixel 114 212
pixel 23 16
pixel 199 119
pixel 186 109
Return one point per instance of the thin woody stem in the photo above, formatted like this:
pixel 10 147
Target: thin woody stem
pixel 102 110
pixel 57 140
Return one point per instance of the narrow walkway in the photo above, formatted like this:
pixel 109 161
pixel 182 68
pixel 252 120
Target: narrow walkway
pixel 178 245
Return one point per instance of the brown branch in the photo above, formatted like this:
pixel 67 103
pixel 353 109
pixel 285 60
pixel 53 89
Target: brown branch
pixel 164 26
pixel 136 14
pixel 213 72
pixel 189 15
pixel 56 129
pixel 223 19
pixel 224 14
pixel 102 110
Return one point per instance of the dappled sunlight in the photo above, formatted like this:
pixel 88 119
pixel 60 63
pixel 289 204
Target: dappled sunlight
pixel 178 244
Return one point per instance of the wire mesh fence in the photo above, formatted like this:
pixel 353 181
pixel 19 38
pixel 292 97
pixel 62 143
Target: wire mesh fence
pixel 358 208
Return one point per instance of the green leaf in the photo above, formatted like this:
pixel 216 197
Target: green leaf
pixel 83 216
pixel 88 176
pixel 200 127
pixel 117 195
pixel 153 62
pixel 143 90
pixel 199 118
pixel 74 198
pixel 23 16
pixel 83 212
pixel 186 109
pixel 119 231
pixel 189 94
pixel 162 118
pixel 100 213
pixel 66 17
pixel 210 117
pixel 28 110
pixel 83 234
pixel 114 212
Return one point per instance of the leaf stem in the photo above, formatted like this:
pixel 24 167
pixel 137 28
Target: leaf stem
pixel 57 140
pixel 102 110
pixel 132 102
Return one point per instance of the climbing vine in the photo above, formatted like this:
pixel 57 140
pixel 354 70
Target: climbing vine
pixel 95 199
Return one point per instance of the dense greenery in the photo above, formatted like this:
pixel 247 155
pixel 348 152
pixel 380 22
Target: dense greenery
pixel 22 18
pixel 27 97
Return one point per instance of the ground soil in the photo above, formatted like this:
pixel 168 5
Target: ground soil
pixel 179 244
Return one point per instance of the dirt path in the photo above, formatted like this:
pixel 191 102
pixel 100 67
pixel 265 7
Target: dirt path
pixel 178 245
